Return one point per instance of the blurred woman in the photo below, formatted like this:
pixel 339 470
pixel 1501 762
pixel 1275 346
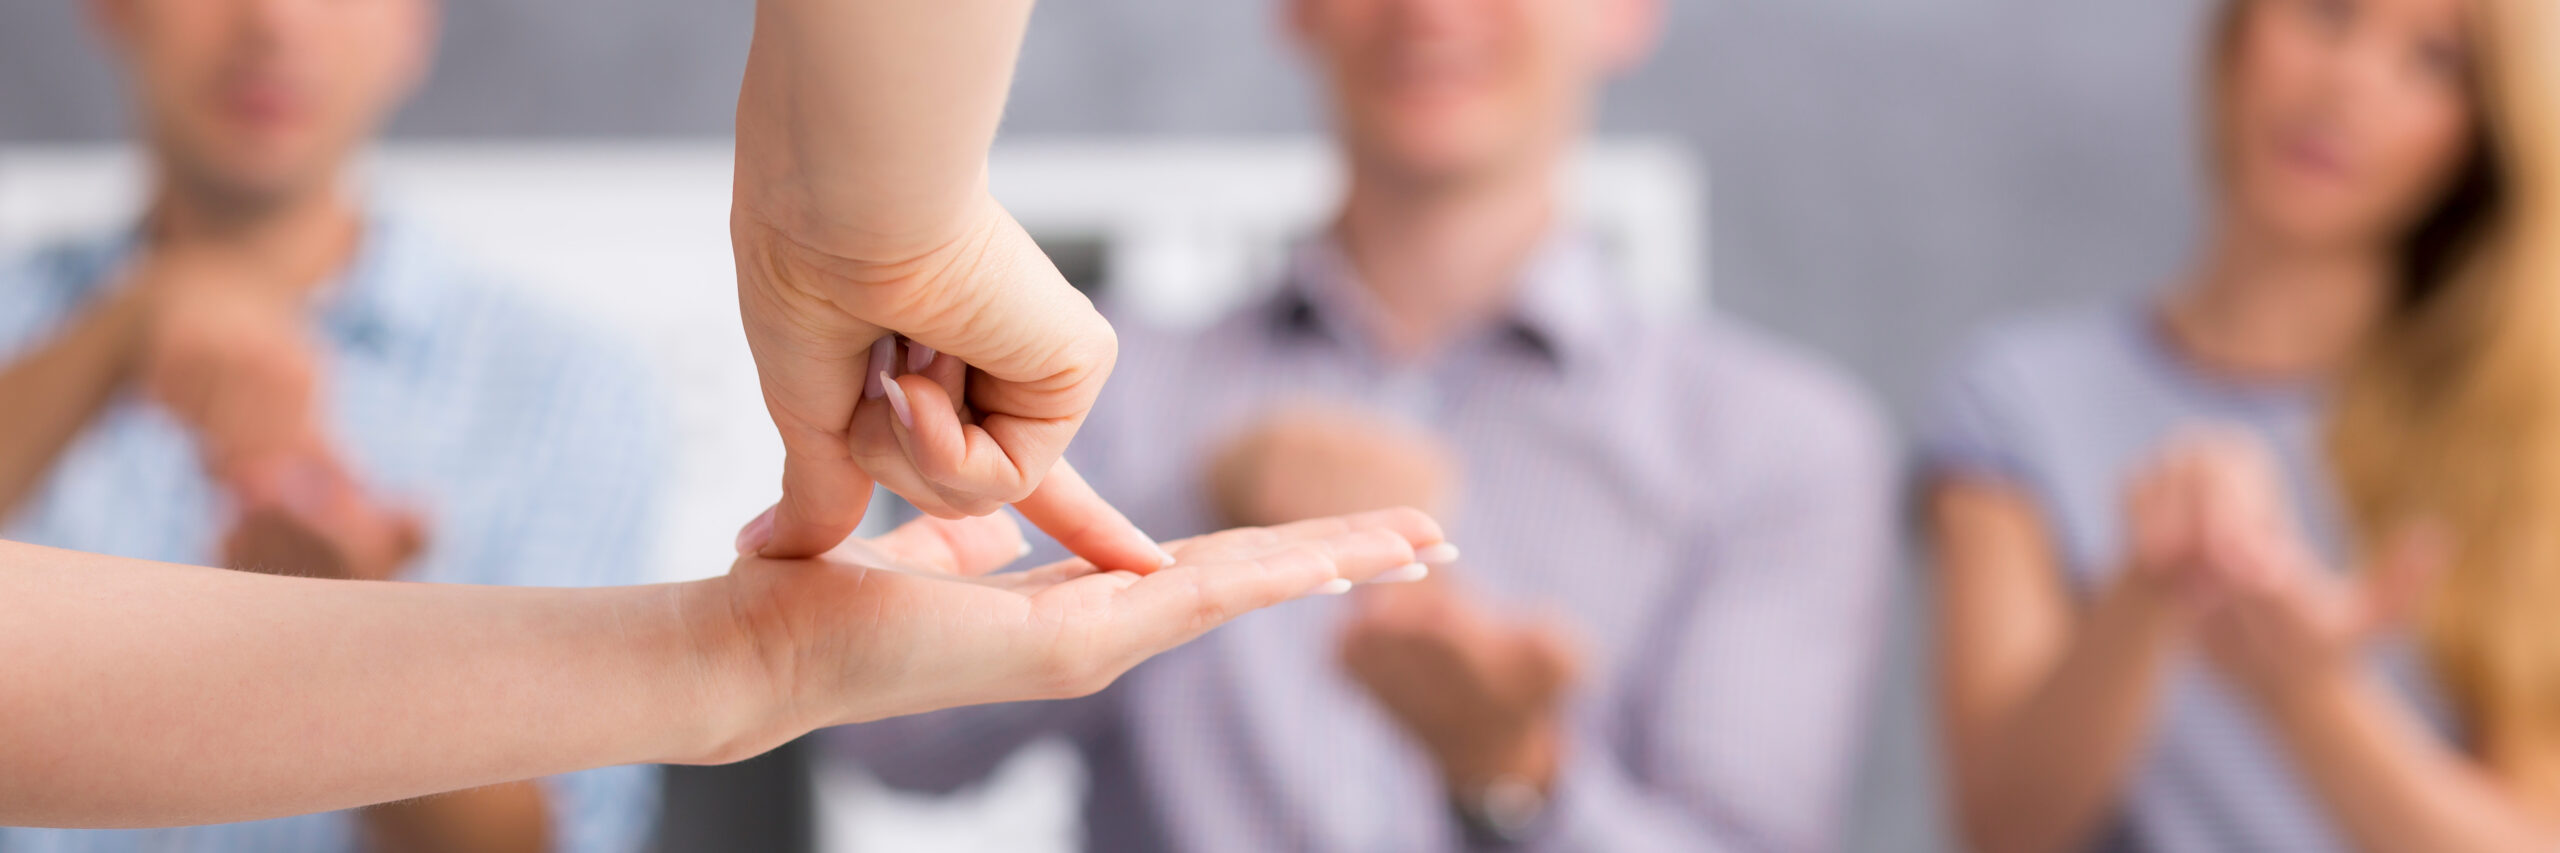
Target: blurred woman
pixel 2155 643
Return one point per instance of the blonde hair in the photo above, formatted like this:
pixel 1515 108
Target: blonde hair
pixel 2450 415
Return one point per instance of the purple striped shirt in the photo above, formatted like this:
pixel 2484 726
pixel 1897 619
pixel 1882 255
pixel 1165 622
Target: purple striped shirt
pixel 1713 510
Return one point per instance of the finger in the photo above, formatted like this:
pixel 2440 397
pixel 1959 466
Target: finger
pixel 824 496
pixel 965 546
pixel 1067 508
pixel 1171 607
pixel 929 432
pixel 809 358
pixel 950 373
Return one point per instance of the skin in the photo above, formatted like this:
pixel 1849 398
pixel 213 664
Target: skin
pixel 1453 118
pixel 891 230
pixel 2343 121
pixel 297 695
pixel 398 690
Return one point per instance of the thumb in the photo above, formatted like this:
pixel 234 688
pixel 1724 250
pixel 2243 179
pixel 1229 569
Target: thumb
pixel 2391 589
pixel 823 499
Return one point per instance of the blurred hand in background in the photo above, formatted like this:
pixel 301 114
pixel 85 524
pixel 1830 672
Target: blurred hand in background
pixel 2269 611
pixel 1311 462
pixel 1482 692
pixel 228 352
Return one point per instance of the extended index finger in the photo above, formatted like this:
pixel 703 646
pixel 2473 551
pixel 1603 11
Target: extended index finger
pixel 1070 511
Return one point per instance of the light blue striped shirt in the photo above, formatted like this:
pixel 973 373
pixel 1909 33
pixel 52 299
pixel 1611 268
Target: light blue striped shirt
pixel 531 448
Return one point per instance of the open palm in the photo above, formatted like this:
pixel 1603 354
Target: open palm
pixel 916 620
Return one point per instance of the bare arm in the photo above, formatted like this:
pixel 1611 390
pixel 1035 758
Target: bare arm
pixel 53 391
pixel 136 693
pixel 2393 784
pixel 147 693
pixel 2045 708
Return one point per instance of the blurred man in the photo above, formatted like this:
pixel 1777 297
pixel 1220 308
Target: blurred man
pixel 1691 682
pixel 264 372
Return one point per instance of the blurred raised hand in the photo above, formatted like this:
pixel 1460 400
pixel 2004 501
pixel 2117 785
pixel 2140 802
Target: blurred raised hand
pixel 2272 611
pixel 228 352
pixel 1309 462
pixel 861 216
pixel 1484 693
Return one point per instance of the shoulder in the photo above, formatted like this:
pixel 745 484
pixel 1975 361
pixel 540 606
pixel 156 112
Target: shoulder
pixel 2056 346
pixel 40 287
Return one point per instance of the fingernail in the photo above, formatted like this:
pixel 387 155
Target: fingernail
pixel 919 357
pixel 1437 555
pixel 1337 586
pixel 758 532
pixel 1025 552
pixel 882 352
pixel 1407 573
pixel 897 399
pixel 1164 558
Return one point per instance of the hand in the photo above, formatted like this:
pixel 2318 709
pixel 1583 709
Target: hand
pixel 2269 613
pixel 228 354
pixel 307 517
pixel 2207 486
pixel 1484 696
pixel 1310 463
pixel 914 622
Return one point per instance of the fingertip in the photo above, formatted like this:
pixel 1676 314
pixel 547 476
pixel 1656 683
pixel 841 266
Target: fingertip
pixel 897 395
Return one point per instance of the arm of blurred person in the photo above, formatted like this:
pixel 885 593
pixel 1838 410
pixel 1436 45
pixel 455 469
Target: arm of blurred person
pixel 2295 635
pixel 55 389
pixel 2045 705
pixel 1750 709
pixel 139 693
pixel 852 230
pixel 504 818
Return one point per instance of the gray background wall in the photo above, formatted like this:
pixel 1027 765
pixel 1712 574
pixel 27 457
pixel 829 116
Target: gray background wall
pixel 1888 173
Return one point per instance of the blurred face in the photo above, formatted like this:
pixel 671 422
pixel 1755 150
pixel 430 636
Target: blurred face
pixel 1447 90
pixel 2346 121
pixel 263 99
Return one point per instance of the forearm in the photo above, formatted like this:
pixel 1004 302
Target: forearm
pixel 2042 775
pixel 2389 781
pixel 54 391
pixel 504 818
pixel 870 119
pixel 141 693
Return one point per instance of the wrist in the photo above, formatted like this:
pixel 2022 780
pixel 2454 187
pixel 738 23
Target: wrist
pixel 1505 803
pixel 739 704
pixel 1533 755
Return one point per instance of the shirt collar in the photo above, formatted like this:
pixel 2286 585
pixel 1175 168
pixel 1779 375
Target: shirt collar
pixel 1565 308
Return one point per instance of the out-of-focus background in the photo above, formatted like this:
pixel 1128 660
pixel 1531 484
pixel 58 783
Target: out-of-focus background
pixel 1871 177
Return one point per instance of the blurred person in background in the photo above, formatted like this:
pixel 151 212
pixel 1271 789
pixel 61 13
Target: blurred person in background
pixel 266 373
pixel 1679 532
pixel 2327 622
